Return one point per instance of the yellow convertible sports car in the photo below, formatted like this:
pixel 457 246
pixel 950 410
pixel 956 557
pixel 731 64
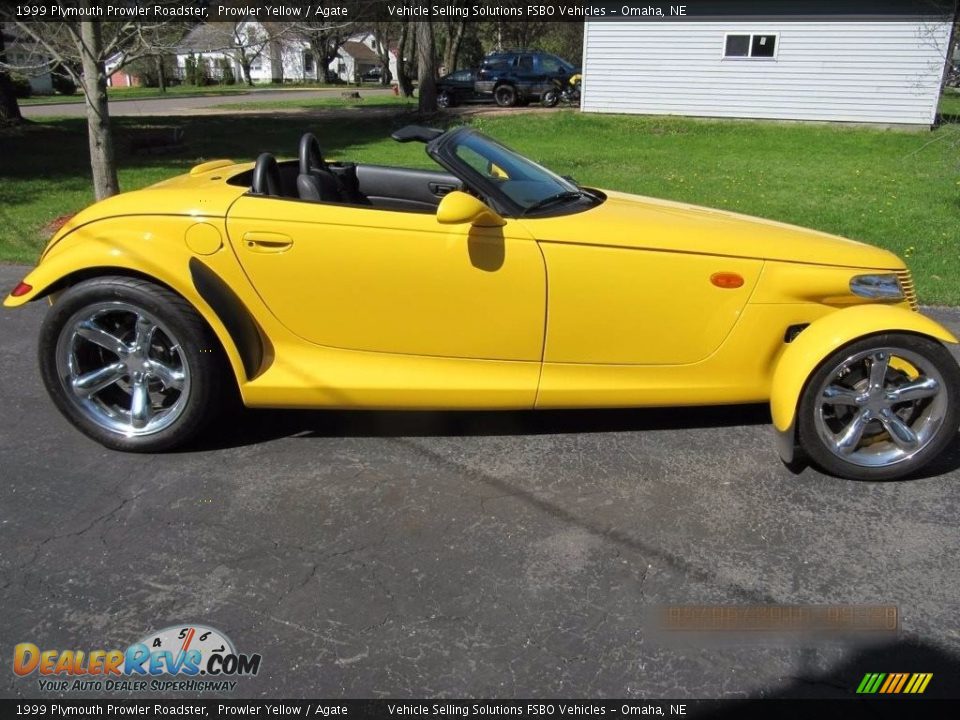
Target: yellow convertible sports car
pixel 489 282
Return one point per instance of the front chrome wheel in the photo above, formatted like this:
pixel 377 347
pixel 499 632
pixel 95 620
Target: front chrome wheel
pixel 881 406
pixel 123 368
pixel 880 409
pixel 131 364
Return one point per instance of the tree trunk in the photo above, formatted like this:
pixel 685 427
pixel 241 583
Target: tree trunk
pixel 403 72
pixel 94 78
pixel 9 107
pixel 427 68
pixel 455 33
pixel 161 74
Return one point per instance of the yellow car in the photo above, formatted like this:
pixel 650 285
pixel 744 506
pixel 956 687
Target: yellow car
pixel 488 283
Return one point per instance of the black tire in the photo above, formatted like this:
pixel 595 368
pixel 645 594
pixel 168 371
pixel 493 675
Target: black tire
pixel 850 423
pixel 505 95
pixel 164 355
pixel 550 98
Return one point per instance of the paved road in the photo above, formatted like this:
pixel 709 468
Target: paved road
pixel 482 554
pixel 175 105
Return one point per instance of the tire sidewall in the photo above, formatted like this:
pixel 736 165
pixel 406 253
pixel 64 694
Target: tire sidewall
pixel 505 96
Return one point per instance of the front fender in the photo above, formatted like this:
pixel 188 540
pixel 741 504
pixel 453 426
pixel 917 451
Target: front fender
pixel 162 253
pixel 826 335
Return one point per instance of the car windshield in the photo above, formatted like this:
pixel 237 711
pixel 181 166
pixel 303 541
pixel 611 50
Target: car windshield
pixel 526 183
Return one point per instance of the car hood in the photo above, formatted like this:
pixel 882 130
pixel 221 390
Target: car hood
pixel 634 221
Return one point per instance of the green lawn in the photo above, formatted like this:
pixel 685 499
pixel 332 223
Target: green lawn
pixel 897 189
pixel 950 103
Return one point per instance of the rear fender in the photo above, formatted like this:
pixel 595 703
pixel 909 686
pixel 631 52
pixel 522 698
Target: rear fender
pixel 824 336
pixel 121 245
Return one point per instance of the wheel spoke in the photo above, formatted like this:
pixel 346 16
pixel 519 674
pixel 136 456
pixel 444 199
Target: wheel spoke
pixel 91 333
pixel 916 390
pixel 839 395
pixel 172 378
pixel 96 380
pixel 848 440
pixel 879 362
pixel 145 331
pixel 898 430
pixel 140 404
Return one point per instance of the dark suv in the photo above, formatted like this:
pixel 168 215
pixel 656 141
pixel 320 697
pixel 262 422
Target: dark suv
pixel 515 77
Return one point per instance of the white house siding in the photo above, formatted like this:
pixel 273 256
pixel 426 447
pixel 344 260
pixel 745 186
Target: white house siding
pixel 882 72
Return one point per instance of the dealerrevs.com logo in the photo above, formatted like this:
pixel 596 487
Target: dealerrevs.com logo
pixel 191 658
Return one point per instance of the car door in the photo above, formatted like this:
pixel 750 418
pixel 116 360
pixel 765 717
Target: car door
pixel 389 281
pixel 463 84
pixel 528 75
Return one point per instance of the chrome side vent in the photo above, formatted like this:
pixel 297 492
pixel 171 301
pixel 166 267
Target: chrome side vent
pixel 909 292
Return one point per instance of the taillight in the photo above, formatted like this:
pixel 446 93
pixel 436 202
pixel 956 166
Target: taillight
pixel 21 289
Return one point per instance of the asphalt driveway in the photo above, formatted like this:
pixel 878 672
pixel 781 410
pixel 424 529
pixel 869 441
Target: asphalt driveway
pixel 192 105
pixel 473 554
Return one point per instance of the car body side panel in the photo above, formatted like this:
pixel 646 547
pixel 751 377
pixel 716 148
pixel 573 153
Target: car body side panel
pixel 629 306
pixel 311 376
pixel 825 336
pixel 359 278
pixel 739 371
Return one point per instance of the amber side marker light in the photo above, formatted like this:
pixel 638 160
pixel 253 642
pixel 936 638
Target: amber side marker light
pixel 727 280
pixel 21 289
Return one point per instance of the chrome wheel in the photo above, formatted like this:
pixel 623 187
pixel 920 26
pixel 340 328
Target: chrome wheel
pixel 122 368
pixel 880 407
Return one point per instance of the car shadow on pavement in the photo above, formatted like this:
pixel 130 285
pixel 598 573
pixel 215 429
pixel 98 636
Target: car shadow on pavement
pixel 903 655
pixel 249 427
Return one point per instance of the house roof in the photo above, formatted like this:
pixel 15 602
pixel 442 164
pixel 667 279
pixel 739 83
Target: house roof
pixel 207 37
pixel 359 51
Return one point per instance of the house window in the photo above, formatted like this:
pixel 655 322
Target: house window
pixel 308 62
pixel 755 45
pixel 256 64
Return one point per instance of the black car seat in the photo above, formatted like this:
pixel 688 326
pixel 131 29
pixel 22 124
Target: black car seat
pixel 266 176
pixel 316 182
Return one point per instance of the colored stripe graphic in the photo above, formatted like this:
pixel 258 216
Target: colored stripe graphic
pixel 894 683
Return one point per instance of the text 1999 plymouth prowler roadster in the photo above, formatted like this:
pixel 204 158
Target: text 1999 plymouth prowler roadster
pixel 489 283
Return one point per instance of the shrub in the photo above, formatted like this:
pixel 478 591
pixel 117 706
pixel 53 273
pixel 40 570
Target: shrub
pixel 227 76
pixel 21 85
pixel 63 83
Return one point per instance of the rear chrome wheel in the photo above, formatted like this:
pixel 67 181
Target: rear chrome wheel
pixel 880 408
pixel 130 364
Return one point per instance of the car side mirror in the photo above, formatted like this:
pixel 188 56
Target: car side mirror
pixel 458 207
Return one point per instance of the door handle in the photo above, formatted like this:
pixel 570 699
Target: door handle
pixel 267 242
pixel 441 189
